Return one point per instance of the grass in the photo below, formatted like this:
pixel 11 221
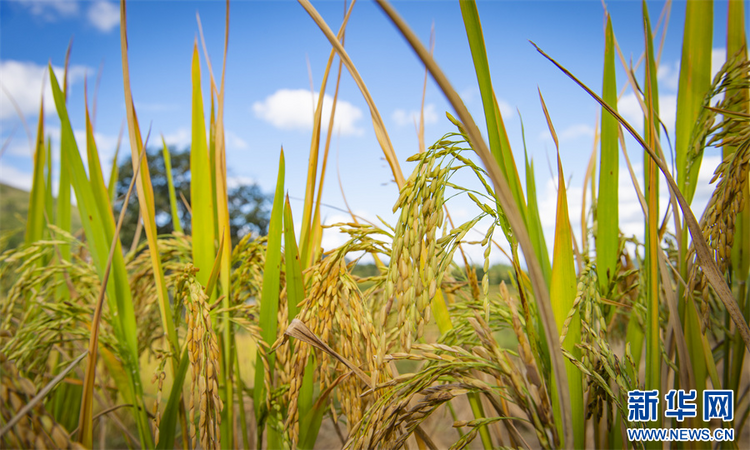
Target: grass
pixel 265 343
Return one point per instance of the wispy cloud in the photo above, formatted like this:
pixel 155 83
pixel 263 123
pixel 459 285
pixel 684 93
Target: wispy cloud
pixel 506 109
pixel 23 80
pixel 403 117
pixel 630 109
pixel 571 133
pixel 668 75
pixel 630 210
pixel 105 145
pixel 237 181
pixel 180 138
pixel 234 142
pixel 101 14
pixel 13 177
pixel 577 131
pixel 154 107
pixel 51 10
pixel 668 111
pixel 469 94
pixel 292 109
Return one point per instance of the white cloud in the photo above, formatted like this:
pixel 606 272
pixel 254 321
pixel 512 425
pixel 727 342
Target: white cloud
pixel 506 109
pixel 23 80
pixel 571 133
pixel 181 138
pixel 237 181
pixel 629 107
pixel 154 107
pixel 103 15
pixel 403 117
pixel 105 146
pixel 17 144
pixel 13 177
pixel 577 131
pixel 668 111
pixel 669 75
pixel 292 109
pixel 630 210
pixel 469 94
pixel 51 10
pixel 234 142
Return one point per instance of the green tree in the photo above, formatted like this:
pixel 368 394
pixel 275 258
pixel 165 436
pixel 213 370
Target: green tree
pixel 249 206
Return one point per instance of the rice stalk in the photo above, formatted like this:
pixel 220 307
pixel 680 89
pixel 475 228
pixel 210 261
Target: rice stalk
pixel 203 351
pixel 702 252
pixel 504 195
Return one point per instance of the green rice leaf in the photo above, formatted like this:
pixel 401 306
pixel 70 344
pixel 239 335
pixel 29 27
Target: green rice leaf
pixel 295 288
pixel 314 418
pixel 710 269
pixel 311 421
pixel 269 304
pixel 607 207
pixel 295 291
pixel 535 223
pixel 651 177
pixel 35 219
pixel 63 213
pixel 170 183
pixel 498 137
pixel 562 295
pixel 49 200
pixel 99 227
pixel 168 423
pixel 695 81
pixel 115 172
pixel 201 190
pixel 146 199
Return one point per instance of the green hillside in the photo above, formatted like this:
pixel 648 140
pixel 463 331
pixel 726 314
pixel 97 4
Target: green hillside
pixel 14 207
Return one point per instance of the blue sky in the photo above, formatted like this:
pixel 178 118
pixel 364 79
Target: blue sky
pixel 268 102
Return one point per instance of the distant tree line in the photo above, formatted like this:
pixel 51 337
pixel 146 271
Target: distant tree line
pixel 249 206
pixel 497 272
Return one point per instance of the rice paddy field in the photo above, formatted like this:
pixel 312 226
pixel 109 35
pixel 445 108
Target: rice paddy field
pixel 189 341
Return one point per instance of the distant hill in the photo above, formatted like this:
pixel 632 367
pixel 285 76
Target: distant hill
pixel 14 207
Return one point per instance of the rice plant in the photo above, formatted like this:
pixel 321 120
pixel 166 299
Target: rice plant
pixel 424 353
